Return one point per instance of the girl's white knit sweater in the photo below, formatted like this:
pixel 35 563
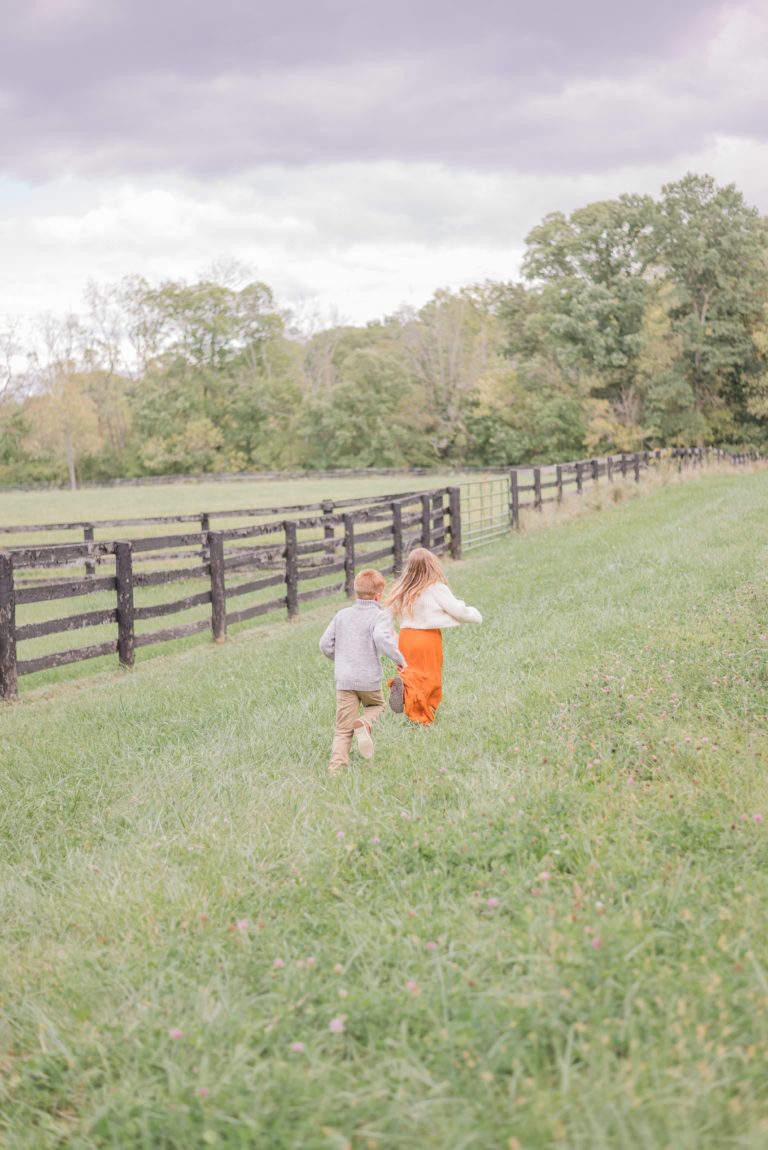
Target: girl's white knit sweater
pixel 437 606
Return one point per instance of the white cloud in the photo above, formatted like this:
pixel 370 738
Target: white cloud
pixel 358 238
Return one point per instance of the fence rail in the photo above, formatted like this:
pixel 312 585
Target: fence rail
pixel 261 567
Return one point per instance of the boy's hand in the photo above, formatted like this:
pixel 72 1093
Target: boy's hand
pixel 402 667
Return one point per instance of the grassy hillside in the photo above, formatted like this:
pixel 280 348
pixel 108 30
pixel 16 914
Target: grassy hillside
pixel 538 924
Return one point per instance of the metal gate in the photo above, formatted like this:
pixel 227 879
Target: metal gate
pixel 485 510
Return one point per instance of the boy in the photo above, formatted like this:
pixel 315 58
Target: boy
pixel 355 639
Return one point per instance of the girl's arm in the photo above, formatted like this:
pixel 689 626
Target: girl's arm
pixel 453 606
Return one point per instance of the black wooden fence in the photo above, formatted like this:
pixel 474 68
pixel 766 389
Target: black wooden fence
pixel 265 566
pixel 294 561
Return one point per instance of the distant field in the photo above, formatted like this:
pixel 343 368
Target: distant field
pixel 193 498
pixel 538 925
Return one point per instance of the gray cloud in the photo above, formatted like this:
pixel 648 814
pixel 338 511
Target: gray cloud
pixel 119 86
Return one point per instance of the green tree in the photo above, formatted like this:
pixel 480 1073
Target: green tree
pixel 453 344
pixel 710 247
pixel 369 419
pixel 589 269
pixel 208 350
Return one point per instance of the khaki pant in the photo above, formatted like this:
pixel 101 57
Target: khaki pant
pixel 347 711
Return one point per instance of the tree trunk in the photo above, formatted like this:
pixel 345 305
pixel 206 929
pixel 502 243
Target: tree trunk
pixel 71 463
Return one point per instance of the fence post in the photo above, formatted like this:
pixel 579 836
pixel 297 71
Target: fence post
pixel 437 520
pixel 397 537
pixel 454 504
pixel 126 642
pixel 637 466
pixel 514 496
pixel 205 527
pixel 623 465
pixel 8 677
pixel 215 549
pixel 328 506
pixel 537 489
pixel 291 571
pixel 349 556
pixel 580 478
pixel 426 534
pixel 559 478
pixel 90 564
pixel 595 470
pixel 609 468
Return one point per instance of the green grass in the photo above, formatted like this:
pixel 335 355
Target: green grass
pixel 593 777
pixel 100 503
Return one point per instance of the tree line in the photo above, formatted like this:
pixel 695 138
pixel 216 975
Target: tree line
pixel 638 323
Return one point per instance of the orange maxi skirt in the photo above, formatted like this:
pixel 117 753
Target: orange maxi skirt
pixel 423 677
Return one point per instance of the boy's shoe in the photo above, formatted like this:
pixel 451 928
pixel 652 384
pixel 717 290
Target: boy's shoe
pixel 396 696
pixel 364 740
pixel 334 771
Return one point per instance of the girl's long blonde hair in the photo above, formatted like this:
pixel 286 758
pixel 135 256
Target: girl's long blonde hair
pixel 421 569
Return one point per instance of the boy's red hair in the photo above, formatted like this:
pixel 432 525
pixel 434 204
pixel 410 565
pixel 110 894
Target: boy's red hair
pixel 369 583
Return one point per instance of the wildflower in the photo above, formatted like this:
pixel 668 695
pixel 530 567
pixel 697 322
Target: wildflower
pixel 757 818
pixel 431 945
pixel 174 1032
pixel 311 961
pixel 413 987
pixel 278 963
pixel 376 840
pixel 493 902
pixel 202 1092
pixel 242 924
pixel 298 1047
pixel 596 943
pixel 338 968
pixel 340 834
pixel 336 1026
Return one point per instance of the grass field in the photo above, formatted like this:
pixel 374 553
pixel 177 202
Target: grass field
pixel 99 503
pixel 538 924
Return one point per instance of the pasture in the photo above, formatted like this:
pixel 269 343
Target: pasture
pixel 538 924
pixel 192 498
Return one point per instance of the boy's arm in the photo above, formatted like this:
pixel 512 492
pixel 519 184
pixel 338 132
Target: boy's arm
pixel 328 639
pixel 385 641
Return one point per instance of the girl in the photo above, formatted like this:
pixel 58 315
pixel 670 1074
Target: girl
pixel 424 603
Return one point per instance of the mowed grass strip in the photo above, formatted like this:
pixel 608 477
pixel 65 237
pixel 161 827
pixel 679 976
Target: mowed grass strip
pixel 539 923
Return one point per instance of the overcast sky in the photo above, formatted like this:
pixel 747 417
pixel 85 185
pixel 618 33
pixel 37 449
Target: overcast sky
pixel 355 156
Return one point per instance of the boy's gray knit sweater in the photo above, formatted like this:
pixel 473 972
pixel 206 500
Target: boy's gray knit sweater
pixel 355 639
